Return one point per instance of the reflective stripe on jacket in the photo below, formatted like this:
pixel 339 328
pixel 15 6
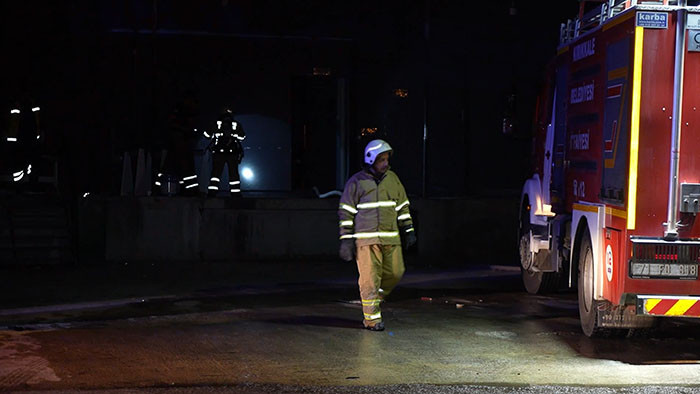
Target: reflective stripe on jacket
pixel 373 212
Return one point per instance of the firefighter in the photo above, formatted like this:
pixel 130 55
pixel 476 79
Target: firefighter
pixel 179 159
pixel 226 148
pixel 374 217
pixel 20 139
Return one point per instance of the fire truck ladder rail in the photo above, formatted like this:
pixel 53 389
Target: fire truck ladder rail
pixel 572 29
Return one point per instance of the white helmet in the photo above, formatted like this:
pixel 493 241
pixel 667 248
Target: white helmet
pixel 374 148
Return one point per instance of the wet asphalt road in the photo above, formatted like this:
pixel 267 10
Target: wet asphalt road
pixel 463 332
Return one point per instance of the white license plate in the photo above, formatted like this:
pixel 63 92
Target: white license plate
pixel 654 270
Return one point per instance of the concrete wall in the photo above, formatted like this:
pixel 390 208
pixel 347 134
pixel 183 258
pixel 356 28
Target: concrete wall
pixel 450 231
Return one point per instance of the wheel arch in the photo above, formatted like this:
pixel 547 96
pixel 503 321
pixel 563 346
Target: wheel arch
pixel 579 230
pixel 532 190
pixel 590 217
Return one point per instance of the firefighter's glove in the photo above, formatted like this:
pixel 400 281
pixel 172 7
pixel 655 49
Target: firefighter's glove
pixel 409 239
pixel 347 249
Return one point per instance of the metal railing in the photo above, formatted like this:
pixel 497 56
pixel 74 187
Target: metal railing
pixel 572 29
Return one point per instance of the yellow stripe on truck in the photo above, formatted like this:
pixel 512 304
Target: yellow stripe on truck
pixel 651 303
pixel 680 308
pixel 586 208
pixel 634 128
pixel 671 306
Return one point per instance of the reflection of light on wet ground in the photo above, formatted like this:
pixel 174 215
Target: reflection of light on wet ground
pixel 265 333
pixel 667 344
pixel 496 334
pixel 27 366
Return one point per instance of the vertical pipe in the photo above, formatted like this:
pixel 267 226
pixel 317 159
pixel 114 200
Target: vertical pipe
pixel 671 224
pixel 426 93
pixel 342 161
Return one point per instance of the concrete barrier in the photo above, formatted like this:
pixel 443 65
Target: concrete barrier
pixel 450 231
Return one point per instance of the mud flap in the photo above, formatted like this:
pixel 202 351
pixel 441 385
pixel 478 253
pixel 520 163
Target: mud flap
pixel 622 316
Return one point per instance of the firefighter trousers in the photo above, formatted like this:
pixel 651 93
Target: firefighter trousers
pixel 234 180
pixel 179 161
pixel 381 268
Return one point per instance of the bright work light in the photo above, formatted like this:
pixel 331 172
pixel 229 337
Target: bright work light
pixel 247 173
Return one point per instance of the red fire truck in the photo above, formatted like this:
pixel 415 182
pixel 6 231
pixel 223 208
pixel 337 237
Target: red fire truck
pixel 612 205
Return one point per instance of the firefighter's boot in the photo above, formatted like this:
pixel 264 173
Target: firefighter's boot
pixel 374 327
pixel 213 188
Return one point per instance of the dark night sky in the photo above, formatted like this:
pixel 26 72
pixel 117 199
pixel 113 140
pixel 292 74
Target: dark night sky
pixel 109 88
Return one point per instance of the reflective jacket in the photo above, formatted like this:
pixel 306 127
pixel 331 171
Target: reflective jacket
pixel 374 211
pixel 23 126
pixel 227 138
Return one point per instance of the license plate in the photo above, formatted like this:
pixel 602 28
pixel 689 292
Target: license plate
pixel 666 271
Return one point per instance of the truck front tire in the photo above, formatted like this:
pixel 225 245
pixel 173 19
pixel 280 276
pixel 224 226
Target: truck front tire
pixel 535 282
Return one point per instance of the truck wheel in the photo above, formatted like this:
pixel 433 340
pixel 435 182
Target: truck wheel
pixel 539 282
pixel 535 282
pixel 587 305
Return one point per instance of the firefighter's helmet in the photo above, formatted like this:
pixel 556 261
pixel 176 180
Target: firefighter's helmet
pixel 374 148
pixel 225 119
pixel 226 114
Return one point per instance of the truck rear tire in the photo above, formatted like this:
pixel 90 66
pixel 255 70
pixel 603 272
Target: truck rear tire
pixel 535 282
pixel 588 307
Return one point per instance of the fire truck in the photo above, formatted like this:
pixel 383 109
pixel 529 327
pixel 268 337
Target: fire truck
pixel 611 208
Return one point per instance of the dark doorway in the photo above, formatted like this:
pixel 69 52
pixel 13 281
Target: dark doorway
pixel 318 132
